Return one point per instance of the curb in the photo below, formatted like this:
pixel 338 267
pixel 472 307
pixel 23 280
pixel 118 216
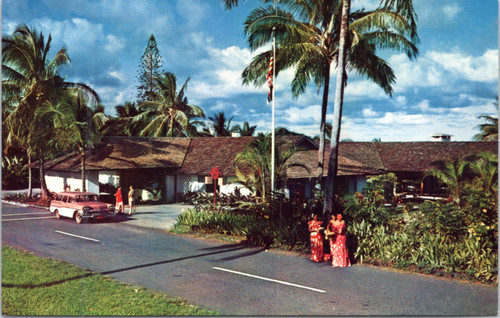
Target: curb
pixel 25 204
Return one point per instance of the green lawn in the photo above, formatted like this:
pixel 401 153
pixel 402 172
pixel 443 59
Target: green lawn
pixel 34 286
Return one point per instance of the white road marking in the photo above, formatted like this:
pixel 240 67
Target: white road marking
pixel 82 237
pixel 27 219
pixel 269 279
pixel 5 214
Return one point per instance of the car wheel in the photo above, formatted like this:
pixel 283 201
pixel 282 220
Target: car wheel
pixel 58 216
pixel 78 218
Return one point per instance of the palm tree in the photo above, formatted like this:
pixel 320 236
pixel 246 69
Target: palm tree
pixel 489 130
pixel 246 130
pixel 485 168
pixel 123 124
pixel 452 174
pixel 168 113
pixel 308 38
pixel 30 80
pixel 253 165
pixel 220 125
pixel 74 124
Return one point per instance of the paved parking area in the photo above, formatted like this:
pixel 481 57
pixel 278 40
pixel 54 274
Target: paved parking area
pixel 161 216
pixel 156 216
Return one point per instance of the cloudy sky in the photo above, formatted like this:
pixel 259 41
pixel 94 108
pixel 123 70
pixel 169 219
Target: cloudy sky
pixel 454 80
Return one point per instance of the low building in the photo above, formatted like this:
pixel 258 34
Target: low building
pixel 177 166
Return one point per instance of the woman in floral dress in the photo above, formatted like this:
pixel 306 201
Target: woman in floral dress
pixel 338 246
pixel 316 239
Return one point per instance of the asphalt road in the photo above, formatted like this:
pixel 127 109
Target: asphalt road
pixel 236 280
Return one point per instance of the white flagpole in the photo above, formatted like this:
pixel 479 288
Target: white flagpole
pixel 272 123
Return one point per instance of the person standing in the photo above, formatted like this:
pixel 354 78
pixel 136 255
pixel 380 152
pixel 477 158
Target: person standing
pixel 131 200
pixel 338 242
pixel 316 239
pixel 119 200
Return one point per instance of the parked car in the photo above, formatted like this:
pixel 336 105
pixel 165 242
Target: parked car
pixel 81 206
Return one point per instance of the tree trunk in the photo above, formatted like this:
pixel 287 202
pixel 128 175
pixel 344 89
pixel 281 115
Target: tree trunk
pixel 84 187
pixel 337 112
pixel 43 184
pixel 30 186
pixel 321 150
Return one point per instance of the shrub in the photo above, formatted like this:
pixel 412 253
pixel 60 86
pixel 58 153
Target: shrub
pixel 445 219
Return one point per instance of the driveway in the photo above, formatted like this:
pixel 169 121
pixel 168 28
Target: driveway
pixel 161 216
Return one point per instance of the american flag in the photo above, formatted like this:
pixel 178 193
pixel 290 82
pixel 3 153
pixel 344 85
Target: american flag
pixel 270 81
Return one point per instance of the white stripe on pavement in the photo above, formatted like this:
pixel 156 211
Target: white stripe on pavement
pixel 82 237
pixel 269 279
pixel 27 219
pixel 6 214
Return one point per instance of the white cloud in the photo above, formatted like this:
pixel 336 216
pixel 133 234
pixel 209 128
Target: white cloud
pixel 193 11
pixel 479 69
pixel 222 74
pixel 460 122
pixel 401 118
pixel 369 112
pixel 401 100
pixel 361 89
pixel 444 69
pixel 295 115
pixel 117 75
pixel 423 106
pixel 114 44
pixel 451 10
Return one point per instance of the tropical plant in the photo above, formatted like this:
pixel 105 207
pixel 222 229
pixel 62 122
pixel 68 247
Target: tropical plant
pixel 29 81
pixel 311 36
pixel 253 165
pixel 489 130
pixel 221 127
pixel 246 130
pixel 149 69
pixel 123 124
pixel 453 175
pixel 168 113
pixel 75 126
pixel 13 172
pixel 485 169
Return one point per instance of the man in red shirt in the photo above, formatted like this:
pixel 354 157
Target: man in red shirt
pixel 119 200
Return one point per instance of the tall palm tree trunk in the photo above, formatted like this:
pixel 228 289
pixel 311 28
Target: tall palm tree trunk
pixel 30 186
pixel 84 187
pixel 43 184
pixel 337 112
pixel 321 150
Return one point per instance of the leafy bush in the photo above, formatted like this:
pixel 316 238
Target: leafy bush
pixel 14 175
pixel 445 219
pixel 368 206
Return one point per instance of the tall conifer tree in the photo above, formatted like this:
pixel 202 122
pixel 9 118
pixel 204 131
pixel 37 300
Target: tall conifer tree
pixel 149 69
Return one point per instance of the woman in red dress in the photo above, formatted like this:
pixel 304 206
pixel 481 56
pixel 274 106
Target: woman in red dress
pixel 316 239
pixel 338 247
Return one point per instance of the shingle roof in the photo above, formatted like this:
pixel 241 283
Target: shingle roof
pixel 127 153
pixel 200 155
pixel 365 158
pixel 204 153
pixel 420 156
pixel 355 158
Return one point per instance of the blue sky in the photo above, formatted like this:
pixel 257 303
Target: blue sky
pixel 454 80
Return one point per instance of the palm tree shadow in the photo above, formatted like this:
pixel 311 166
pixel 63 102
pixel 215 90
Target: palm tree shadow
pixel 89 274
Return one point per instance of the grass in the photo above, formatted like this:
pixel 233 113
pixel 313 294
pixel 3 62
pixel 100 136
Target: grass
pixel 36 286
